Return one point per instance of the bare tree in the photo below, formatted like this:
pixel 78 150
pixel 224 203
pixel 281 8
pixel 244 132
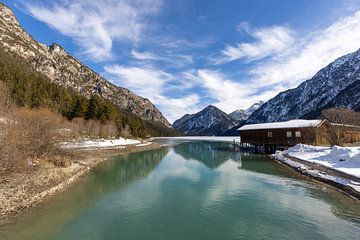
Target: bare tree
pixel 338 123
pixel 5 100
pixel 27 136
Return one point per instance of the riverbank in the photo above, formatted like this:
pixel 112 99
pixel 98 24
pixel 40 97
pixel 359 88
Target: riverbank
pixel 338 167
pixel 20 192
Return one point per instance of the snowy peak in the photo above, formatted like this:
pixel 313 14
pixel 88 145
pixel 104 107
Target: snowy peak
pixel 209 121
pixel 254 107
pixel 241 114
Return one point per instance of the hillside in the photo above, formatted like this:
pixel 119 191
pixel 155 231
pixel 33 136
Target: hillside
pixel 336 85
pixel 29 88
pixel 242 114
pixel 63 69
pixel 209 121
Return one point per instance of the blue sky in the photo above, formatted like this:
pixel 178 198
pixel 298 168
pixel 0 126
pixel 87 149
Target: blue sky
pixel 186 54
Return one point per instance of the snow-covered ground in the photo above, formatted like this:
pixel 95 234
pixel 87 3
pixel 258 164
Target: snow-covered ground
pixel 316 173
pixel 203 138
pixel 343 159
pixel 99 143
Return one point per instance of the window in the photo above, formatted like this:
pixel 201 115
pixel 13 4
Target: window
pixel 289 134
pixel 298 134
pixel 269 134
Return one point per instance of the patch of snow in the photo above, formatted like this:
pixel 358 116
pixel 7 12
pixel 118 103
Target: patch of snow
pixel 203 138
pixel 143 144
pixel 343 159
pixel 316 173
pixel 297 123
pixel 99 143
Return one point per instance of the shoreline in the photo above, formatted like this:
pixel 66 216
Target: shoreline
pixel 342 182
pixel 21 192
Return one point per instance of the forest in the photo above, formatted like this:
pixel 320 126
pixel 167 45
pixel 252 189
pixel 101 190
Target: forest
pixel 29 88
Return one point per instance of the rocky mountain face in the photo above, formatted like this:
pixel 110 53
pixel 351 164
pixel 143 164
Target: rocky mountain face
pixel 63 69
pixel 241 114
pixel 336 85
pixel 209 121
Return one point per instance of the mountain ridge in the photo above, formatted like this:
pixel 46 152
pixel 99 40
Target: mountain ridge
pixel 64 69
pixel 332 86
pixel 243 114
pixel 209 121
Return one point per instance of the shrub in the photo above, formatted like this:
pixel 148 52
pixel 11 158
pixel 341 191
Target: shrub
pixel 28 136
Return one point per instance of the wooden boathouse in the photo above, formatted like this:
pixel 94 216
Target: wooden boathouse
pixel 268 137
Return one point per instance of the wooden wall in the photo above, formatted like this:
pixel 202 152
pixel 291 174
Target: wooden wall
pixel 311 135
pixel 279 136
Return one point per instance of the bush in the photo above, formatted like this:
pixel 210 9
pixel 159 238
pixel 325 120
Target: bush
pixel 28 136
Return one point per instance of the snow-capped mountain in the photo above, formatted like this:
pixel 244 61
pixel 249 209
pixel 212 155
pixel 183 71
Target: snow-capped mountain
pixel 254 107
pixel 336 85
pixel 209 121
pixel 241 114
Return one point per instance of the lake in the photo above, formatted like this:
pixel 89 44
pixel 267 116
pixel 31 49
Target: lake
pixel 192 190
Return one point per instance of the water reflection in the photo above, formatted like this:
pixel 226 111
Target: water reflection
pixel 209 153
pixel 195 190
pixel 226 163
pixel 108 176
pixel 213 154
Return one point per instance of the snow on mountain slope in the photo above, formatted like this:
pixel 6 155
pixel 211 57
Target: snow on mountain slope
pixel 241 114
pixel 336 85
pixel 209 121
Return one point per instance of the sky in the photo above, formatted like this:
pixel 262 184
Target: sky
pixel 186 54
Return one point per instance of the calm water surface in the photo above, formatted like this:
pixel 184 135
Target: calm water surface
pixel 192 190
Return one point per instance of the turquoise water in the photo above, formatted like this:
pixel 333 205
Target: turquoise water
pixel 192 190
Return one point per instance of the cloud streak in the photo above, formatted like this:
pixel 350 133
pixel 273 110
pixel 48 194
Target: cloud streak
pixel 268 41
pixel 228 94
pixel 154 84
pixel 285 65
pixel 95 25
pixel 309 54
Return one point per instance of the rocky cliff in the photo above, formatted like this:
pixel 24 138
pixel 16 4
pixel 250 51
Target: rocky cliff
pixel 63 69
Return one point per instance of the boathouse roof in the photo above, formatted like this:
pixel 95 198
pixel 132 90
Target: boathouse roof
pixel 296 123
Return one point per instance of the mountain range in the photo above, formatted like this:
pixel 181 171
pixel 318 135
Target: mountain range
pixel 212 121
pixel 335 86
pixel 65 70
pixel 241 114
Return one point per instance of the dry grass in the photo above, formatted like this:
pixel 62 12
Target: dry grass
pixel 27 137
pixel 93 129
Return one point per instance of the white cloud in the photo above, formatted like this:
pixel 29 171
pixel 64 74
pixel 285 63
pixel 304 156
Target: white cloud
pixel 94 25
pixel 228 94
pixel 146 81
pixel 174 108
pixel 283 69
pixel 168 58
pixel 269 40
pixel 153 84
pixel 310 53
pixel 144 55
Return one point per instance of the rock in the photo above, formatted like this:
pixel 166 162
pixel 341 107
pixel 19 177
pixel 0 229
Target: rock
pixel 63 69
